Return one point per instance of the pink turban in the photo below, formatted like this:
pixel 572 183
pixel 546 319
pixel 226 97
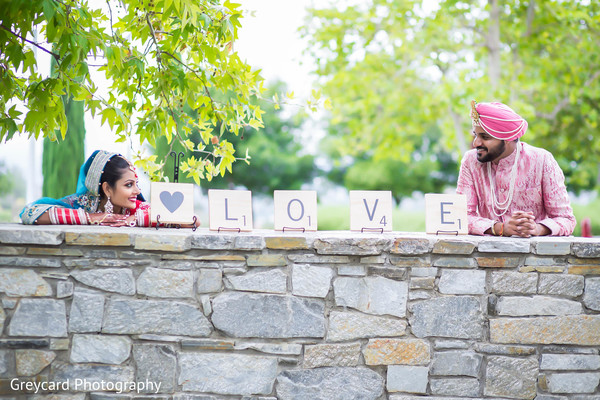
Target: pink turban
pixel 498 120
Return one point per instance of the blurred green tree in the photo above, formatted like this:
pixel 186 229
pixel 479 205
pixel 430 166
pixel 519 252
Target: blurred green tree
pixel 392 68
pixel 429 169
pixel 276 163
pixel 7 181
pixel 166 62
pixel 12 193
pixel 62 158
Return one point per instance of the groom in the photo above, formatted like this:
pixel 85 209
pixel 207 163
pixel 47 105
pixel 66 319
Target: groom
pixel 512 188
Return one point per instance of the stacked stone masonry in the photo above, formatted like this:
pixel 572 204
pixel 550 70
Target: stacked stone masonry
pixel 268 315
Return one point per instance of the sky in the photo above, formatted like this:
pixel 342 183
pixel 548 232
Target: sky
pixel 268 40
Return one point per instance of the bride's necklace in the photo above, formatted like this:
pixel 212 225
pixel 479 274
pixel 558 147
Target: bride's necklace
pixel 502 207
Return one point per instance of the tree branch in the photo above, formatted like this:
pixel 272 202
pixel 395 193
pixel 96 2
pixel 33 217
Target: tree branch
pixel 159 65
pixel 212 102
pixel 56 56
pixel 153 34
pixel 182 63
pixel 565 101
pixel 111 20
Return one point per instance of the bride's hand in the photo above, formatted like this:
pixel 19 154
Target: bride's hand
pixel 107 219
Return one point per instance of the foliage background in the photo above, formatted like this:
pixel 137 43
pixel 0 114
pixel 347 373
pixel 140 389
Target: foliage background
pixel 400 75
pixel 394 68
pixel 277 160
pixel 169 66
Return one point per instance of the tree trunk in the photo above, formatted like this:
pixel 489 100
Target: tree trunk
pixel 460 134
pixel 530 16
pixel 493 44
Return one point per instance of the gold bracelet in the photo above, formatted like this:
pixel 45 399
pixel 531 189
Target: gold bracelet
pixel 102 220
pixel 493 230
pixel 501 229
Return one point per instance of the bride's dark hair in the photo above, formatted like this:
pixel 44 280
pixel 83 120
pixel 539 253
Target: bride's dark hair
pixel 113 171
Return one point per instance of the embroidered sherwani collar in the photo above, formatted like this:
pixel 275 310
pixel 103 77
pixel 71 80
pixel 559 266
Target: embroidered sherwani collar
pixel 508 161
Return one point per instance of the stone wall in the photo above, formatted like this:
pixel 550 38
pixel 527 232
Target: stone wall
pixel 266 315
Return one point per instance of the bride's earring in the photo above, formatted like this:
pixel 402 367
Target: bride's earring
pixel 108 207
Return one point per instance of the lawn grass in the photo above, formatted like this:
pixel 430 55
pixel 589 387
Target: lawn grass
pixel 334 218
pixel 591 211
pixel 337 218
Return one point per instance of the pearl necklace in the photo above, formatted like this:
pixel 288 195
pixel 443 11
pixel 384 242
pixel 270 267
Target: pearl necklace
pixel 502 207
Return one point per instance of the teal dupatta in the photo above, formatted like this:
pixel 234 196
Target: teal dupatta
pixel 86 197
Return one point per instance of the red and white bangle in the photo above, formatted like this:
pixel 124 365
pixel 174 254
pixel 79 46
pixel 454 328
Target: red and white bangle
pixel 52 216
pixel 67 216
pixel 142 217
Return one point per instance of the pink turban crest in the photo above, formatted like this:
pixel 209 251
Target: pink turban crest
pixel 498 120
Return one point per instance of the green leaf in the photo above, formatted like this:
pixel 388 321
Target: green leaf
pixel 182 82
pixel 49 9
pixel 14 113
pixel 256 124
